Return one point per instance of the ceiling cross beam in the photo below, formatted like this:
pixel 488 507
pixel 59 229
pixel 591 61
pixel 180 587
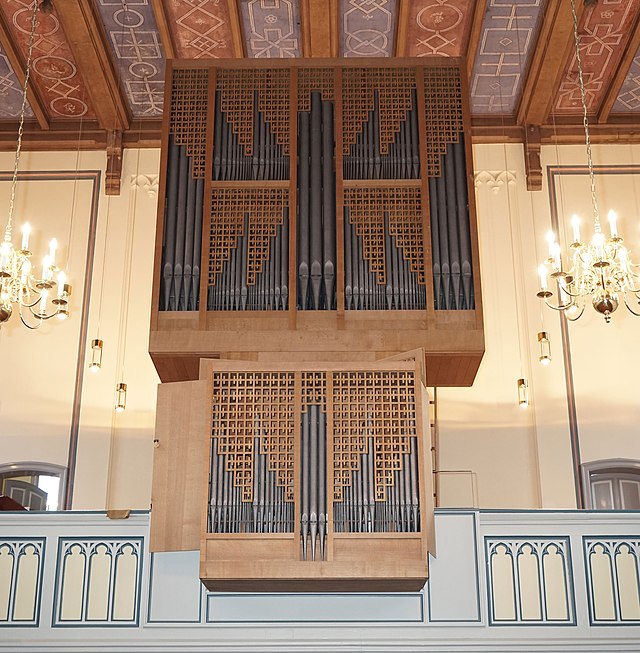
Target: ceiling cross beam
pixel 553 49
pixel 84 32
pixel 621 73
pixel 319 28
pixel 18 64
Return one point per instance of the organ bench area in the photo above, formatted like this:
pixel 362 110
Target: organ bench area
pixel 316 220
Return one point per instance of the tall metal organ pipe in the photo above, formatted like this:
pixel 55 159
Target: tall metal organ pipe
pixel 451 232
pixel 316 206
pixel 182 238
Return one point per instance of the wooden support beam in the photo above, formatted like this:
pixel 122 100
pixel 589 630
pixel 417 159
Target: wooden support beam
pixel 621 73
pixel 548 62
pixel 166 37
pixel 474 35
pixel 319 28
pixel 235 25
pixel 532 162
pixel 18 64
pixel 83 29
pixel 402 26
pixel 113 173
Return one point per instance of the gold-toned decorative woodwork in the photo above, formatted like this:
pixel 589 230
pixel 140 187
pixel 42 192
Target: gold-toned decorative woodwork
pixel 251 222
pixel 403 208
pixel 444 112
pixel 264 208
pixel 188 115
pixel 239 89
pixel 359 86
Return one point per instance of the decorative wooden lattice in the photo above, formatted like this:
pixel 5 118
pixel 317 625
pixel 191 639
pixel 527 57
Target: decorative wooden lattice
pixel 367 207
pixel 314 79
pixel 443 109
pixel 249 405
pixel 265 209
pixel 380 405
pixel 188 115
pixel 394 86
pixel 314 390
pixel 239 89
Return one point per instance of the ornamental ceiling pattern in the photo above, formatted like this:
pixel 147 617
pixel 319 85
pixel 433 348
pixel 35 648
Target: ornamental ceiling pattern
pixel 135 44
pixel 508 32
pixel 604 31
pixel 54 70
pixel 201 28
pixel 368 28
pixel 628 100
pixel 10 91
pixel 439 27
pixel 271 28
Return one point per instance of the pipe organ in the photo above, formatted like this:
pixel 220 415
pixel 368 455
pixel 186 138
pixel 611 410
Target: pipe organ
pixel 315 222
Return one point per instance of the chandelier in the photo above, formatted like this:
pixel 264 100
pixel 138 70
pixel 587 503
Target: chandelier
pixel 38 292
pixel 601 269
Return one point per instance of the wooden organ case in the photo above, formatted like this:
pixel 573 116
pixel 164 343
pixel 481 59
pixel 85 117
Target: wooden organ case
pixel 316 220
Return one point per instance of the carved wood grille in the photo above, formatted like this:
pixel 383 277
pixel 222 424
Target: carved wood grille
pixel 250 405
pixel 380 405
pixel 394 86
pixel 188 115
pixel 443 110
pixel 314 390
pixel 367 208
pixel 239 89
pixel 314 79
pixel 265 210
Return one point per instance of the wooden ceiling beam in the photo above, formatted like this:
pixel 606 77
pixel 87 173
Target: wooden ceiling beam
pixel 319 28
pixel 548 62
pixel 235 25
pixel 402 27
pixel 166 36
pixel 18 65
pixel 84 33
pixel 621 73
pixel 474 35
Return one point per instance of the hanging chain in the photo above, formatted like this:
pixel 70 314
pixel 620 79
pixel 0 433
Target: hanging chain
pixel 14 180
pixel 585 121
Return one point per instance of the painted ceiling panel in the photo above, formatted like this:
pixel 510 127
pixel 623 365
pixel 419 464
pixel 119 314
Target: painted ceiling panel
pixel 509 30
pixel 271 28
pixel 200 28
pixel 604 31
pixel 439 27
pixel 54 70
pixel 368 28
pixel 135 44
pixel 10 91
pixel 628 100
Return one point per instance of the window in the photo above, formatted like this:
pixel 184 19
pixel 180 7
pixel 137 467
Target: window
pixel 612 484
pixel 36 486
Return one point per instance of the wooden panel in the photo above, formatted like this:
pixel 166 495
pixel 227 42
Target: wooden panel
pixel 183 421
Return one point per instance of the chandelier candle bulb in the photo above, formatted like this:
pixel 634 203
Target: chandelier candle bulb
pixel 53 246
pixel 61 283
pixel 43 302
pixel 542 270
pixel 551 239
pixel 613 218
pixel 26 230
pixel 575 223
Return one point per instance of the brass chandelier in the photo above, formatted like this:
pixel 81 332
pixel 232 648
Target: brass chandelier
pixel 38 292
pixel 601 269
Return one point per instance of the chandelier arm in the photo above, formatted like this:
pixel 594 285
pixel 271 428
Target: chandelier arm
pixel 29 326
pixel 559 307
pixel 626 303
pixel 23 108
pixel 576 317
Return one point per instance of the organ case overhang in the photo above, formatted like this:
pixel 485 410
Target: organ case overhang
pixel 321 209
pixel 296 476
